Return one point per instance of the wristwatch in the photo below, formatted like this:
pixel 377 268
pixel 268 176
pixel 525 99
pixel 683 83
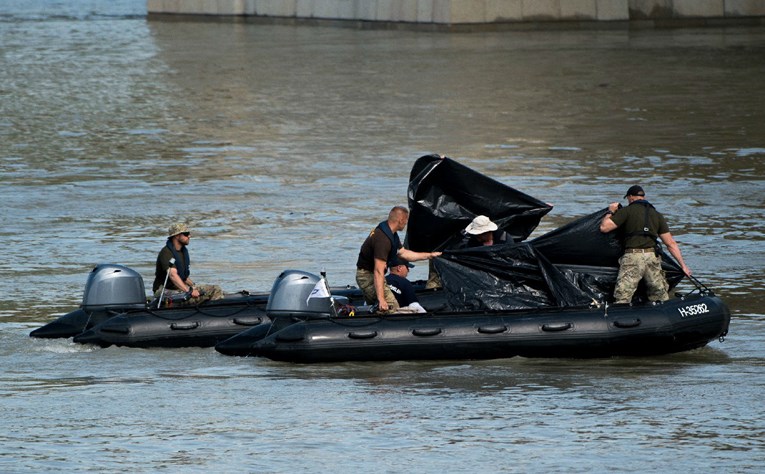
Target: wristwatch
pixel 609 212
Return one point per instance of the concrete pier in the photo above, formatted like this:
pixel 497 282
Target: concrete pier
pixel 475 12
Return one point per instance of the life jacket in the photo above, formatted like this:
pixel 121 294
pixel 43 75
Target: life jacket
pixel 395 242
pixel 646 224
pixel 184 271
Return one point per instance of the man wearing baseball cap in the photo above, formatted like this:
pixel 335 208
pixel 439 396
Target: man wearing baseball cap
pixel 179 285
pixel 401 287
pixel 642 224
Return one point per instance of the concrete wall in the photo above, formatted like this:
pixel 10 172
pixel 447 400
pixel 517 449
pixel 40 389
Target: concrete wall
pixel 467 11
pixel 664 9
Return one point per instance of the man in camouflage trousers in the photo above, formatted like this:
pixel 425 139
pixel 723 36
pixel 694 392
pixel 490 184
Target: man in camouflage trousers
pixel 642 225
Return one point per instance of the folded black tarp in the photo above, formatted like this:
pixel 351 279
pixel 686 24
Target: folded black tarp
pixel 573 265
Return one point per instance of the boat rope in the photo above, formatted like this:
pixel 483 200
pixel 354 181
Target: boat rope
pixel 90 316
pixel 199 310
pixel 700 286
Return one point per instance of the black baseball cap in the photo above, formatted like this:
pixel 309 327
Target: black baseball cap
pixel 399 261
pixel 635 191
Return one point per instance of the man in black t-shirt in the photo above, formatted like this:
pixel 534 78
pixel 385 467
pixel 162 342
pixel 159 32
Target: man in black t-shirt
pixel 380 248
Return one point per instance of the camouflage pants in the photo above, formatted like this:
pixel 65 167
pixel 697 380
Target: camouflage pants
pixel 434 281
pixel 206 293
pixel 366 281
pixel 634 267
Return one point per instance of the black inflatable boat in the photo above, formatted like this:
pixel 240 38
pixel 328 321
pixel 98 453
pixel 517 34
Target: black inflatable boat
pixel 116 291
pixel 297 332
pixel 547 297
pixel 678 325
pixel 200 326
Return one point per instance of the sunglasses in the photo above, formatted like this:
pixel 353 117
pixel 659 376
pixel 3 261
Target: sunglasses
pixel 185 234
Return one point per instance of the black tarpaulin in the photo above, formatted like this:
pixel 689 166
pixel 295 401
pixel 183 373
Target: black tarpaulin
pixel 505 277
pixel 580 247
pixel 573 265
pixel 580 242
pixel 444 196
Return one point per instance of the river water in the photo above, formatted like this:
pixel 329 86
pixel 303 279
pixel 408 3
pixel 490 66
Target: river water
pixel 282 146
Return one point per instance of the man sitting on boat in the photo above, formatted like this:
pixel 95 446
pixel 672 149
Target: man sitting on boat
pixel 171 278
pixel 642 224
pixel 402 288
pixel 380 248
pixel 482 231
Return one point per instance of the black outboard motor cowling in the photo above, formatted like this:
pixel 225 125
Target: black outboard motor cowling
pixel 110 286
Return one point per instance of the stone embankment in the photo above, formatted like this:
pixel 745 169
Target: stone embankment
pixel 487 13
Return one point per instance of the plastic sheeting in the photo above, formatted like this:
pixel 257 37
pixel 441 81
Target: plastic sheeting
pixel 504 277
pixel 444 197
pixel 592 257
pixel 573 265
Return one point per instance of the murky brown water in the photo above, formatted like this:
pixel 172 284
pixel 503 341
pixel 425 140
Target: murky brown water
pixel 282 146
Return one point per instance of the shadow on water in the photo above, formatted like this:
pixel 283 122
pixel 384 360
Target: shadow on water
pixel 519 374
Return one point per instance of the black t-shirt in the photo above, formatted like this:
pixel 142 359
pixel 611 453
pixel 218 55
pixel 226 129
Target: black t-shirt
pixel 376 246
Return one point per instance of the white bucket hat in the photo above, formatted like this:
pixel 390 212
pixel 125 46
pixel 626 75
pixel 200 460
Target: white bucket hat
pixel 480 225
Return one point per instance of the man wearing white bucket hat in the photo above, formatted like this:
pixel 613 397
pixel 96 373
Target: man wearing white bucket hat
pixel 481 232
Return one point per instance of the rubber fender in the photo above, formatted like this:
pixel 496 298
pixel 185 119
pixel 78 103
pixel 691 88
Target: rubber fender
pixel 362 334
pixel 425 332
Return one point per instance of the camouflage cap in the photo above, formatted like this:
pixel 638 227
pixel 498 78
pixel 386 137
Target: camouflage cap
pixel 177 228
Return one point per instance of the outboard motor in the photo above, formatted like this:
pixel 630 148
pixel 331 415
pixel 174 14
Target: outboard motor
pixel 112 286
pixel 289 297
pixel 110 289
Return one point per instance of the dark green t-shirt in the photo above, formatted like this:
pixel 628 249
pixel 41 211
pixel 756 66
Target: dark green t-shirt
pixel 631 221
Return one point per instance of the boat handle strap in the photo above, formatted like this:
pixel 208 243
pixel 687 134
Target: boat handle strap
pixel 555 327
pixel 630 323
pixel 184 326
